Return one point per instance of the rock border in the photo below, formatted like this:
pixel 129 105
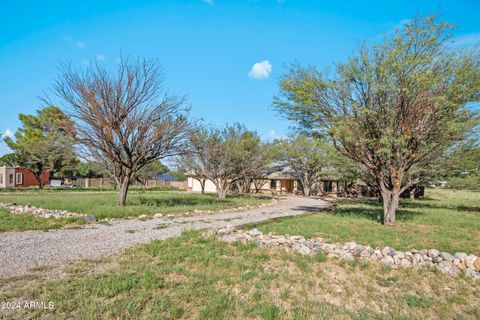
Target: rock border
pixel 453 264
pixel 44 213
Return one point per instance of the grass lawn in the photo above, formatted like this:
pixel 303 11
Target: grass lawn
pixel 102 205
pixel 448 220
pixel 193 277
pixel 15 222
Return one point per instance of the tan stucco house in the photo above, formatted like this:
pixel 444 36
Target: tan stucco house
pixel 279 183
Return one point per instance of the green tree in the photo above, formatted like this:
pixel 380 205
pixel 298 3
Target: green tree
pixel 90 169
pixel 8 160
pixel 149 171
pixel 44 142
pixel 179 174
pixel 391 108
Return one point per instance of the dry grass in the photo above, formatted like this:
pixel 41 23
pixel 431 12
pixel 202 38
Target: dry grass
pixel 193 277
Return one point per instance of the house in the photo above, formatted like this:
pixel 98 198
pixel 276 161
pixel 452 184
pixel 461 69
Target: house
pixel 278 183
pixel 18 177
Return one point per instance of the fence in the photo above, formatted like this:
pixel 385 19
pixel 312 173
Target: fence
pixel 107 182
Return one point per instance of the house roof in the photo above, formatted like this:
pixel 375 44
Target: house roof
pixel 165 177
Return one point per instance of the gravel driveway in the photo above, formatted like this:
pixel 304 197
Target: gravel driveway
pixel 21 251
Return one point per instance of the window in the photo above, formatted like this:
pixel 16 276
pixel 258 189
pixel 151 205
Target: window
pixel 19 178
pixel 10 178
pixel 327 186
pixel 1 178
pixel 299 185
pixel 273 184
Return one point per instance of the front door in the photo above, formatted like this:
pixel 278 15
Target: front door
pixel 287 185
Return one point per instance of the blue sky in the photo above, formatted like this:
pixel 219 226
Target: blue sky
pixel 226 56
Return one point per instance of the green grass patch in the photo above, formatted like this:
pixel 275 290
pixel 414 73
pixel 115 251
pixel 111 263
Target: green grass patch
pixel 106 188
pixel 193 277
pixel 417 301
pixel 17 222
pixel 448 220
pixel 102 204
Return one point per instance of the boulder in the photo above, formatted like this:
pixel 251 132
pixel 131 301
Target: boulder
pixel 460 255
pixel 470 273
pixel 448 267
pixel 387 260
pixel 476 265
pixel 254 232
pixel 432 253
pixel 469 260
pixel 447 256
pixel 405 263
pixel 304 250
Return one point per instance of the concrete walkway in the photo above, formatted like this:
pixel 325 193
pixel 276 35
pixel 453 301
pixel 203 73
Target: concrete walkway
pixel 21 251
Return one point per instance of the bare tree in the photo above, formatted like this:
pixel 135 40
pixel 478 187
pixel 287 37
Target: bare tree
pixel 220 155
pixel 124 120
pixel 194 166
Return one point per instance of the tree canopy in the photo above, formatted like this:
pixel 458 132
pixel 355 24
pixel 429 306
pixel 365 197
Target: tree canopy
pixel 44 142
pixel 307 160
pixel 393 106
pixel 223 155
pixel 124 120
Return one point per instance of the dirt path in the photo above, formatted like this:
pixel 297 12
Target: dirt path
pixel 21 251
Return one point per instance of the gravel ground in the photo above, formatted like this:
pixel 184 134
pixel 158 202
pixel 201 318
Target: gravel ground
pixel 21 251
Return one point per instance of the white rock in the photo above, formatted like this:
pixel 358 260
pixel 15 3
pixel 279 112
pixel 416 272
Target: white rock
pixel 433 253
pixel 304 250
pixel 387 260
pixel 254 232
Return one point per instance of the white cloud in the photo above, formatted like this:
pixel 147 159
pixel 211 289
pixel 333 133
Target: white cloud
pixel 467 40
pixel 8 133
pixel 79 45
pixel 260 70
pixel 75 43
pixel 209 2
pixel 100 57
pixel 271 136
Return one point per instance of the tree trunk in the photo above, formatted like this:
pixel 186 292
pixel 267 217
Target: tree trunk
pixel 222 188
pixel 390 206
pixel 412 193
pixel 306 190
pixel 222 193
pixel 39 181
pixel 202 185
pixel 123 190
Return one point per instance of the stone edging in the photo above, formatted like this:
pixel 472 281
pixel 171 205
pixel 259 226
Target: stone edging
pixel 43 213
pixel 455 264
